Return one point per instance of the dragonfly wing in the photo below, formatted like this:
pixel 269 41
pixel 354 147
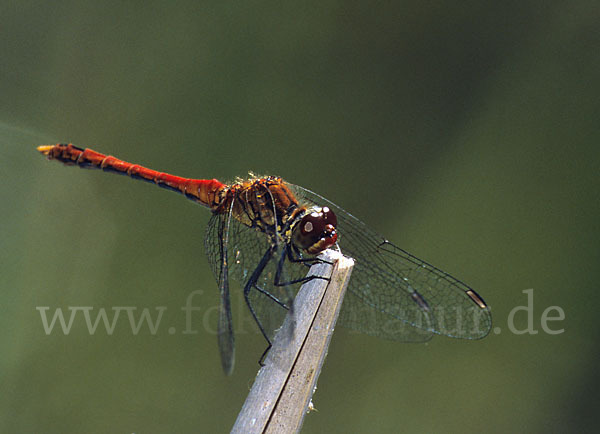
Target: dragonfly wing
pixel 394 295
pixel 456 309
pixel 216 251
pixel 362 317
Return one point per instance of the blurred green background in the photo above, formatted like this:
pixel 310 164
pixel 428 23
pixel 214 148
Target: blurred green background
pixel 466 132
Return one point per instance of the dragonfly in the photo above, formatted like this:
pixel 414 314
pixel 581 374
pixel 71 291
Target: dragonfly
pixel 265 232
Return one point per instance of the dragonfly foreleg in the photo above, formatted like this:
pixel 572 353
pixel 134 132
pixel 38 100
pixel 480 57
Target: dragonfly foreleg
pixel 289 255
pixel 294 255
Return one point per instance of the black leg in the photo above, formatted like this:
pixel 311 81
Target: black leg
pixel 252 284
pixel 272 297
pixel 280 265
pixel 293 250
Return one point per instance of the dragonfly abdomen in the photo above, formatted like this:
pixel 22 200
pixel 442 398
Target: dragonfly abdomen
pixel 208 192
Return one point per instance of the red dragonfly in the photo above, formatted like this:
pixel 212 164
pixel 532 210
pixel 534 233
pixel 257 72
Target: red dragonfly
pixel 265 232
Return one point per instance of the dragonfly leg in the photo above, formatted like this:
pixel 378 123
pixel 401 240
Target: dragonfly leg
pixel 293 255
pixel 261 361
pixel 280 264
pixel 301 280
pixel 272 297
pixel 248 287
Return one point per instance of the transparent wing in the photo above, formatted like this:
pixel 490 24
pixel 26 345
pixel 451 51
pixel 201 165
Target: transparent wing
pixel 215 245
pixel 394 295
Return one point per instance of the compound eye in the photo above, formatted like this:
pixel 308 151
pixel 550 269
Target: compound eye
pixel 318 230
pixel 318 222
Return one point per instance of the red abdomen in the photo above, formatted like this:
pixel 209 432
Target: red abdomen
pixel 208 192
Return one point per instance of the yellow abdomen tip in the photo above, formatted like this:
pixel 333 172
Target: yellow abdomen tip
pixel 45 149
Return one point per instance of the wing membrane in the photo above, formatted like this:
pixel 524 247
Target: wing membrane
pixel 216 251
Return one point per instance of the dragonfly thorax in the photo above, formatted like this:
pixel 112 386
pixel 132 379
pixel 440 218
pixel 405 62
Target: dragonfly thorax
pixel 315 230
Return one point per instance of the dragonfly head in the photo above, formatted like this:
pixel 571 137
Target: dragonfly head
pixel 316 230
